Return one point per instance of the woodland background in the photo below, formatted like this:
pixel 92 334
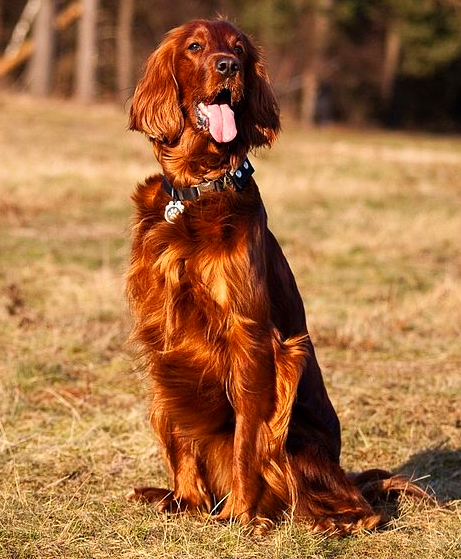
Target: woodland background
pixel 394 63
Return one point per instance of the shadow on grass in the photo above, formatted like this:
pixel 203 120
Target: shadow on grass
pixel 439 469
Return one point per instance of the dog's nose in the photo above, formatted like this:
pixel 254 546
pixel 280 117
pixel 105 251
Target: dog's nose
pixel 227 66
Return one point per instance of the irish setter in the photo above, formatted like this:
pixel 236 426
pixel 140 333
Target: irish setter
pixel 238 400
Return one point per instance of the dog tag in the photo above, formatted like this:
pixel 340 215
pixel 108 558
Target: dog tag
pixel 172 210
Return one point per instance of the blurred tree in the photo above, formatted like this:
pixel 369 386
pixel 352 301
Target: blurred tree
pixel 391 58
pixel 431 36
pixel 20 48
pixel 39 70
pixel 313 34
pixel 124 48
pixel 85 87
pixel 420 37
pixel 23 25
pixel 380 42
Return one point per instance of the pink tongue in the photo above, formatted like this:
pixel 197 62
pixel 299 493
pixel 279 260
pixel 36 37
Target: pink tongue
pixel 222 123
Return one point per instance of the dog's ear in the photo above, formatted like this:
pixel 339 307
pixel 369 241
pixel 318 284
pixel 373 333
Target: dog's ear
pixel 155 109
pixel 259 121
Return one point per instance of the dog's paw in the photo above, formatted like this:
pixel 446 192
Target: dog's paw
pixel 164 500
pixel 154 495
pixel 342 525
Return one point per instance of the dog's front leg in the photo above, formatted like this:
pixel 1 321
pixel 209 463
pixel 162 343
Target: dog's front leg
pixel 247 480
pixel 262 394
pixel 252 392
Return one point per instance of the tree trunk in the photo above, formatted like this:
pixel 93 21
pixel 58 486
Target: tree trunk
pixel 39 71
pixel 314 34
pixel 309 93
pixel 390 63
pixel 85 89
pixel 124 49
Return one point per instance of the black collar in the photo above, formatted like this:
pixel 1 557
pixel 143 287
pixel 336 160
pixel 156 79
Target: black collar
pixel 236 180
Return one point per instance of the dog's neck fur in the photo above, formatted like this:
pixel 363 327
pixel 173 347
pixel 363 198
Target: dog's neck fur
pixel 196 158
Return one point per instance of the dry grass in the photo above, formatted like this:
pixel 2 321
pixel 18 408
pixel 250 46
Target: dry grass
pixel 371 223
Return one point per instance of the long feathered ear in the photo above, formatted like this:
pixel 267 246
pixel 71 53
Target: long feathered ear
pixel 260 118
pixel 156 105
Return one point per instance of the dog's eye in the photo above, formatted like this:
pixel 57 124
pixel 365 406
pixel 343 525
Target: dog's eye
pixel 194 47
pixel 238 50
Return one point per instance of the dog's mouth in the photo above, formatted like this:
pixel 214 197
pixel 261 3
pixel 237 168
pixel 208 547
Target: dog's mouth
pixel 217 117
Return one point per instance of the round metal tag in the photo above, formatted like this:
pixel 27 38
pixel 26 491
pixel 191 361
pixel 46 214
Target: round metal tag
pixel 172 210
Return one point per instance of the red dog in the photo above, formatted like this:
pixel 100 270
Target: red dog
pixel 238 400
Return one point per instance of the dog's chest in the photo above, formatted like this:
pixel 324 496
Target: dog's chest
pixel 213 263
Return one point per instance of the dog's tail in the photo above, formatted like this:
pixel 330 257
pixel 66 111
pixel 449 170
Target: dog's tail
pixel 377 485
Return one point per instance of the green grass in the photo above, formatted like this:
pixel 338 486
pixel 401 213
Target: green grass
pixel 371 224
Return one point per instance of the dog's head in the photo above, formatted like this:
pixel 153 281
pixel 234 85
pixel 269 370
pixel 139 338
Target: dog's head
pixel 209 77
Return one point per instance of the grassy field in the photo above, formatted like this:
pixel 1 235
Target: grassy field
pixel 371 224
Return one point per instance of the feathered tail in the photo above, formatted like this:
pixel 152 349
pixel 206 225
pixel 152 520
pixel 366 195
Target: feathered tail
pixel 376 485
